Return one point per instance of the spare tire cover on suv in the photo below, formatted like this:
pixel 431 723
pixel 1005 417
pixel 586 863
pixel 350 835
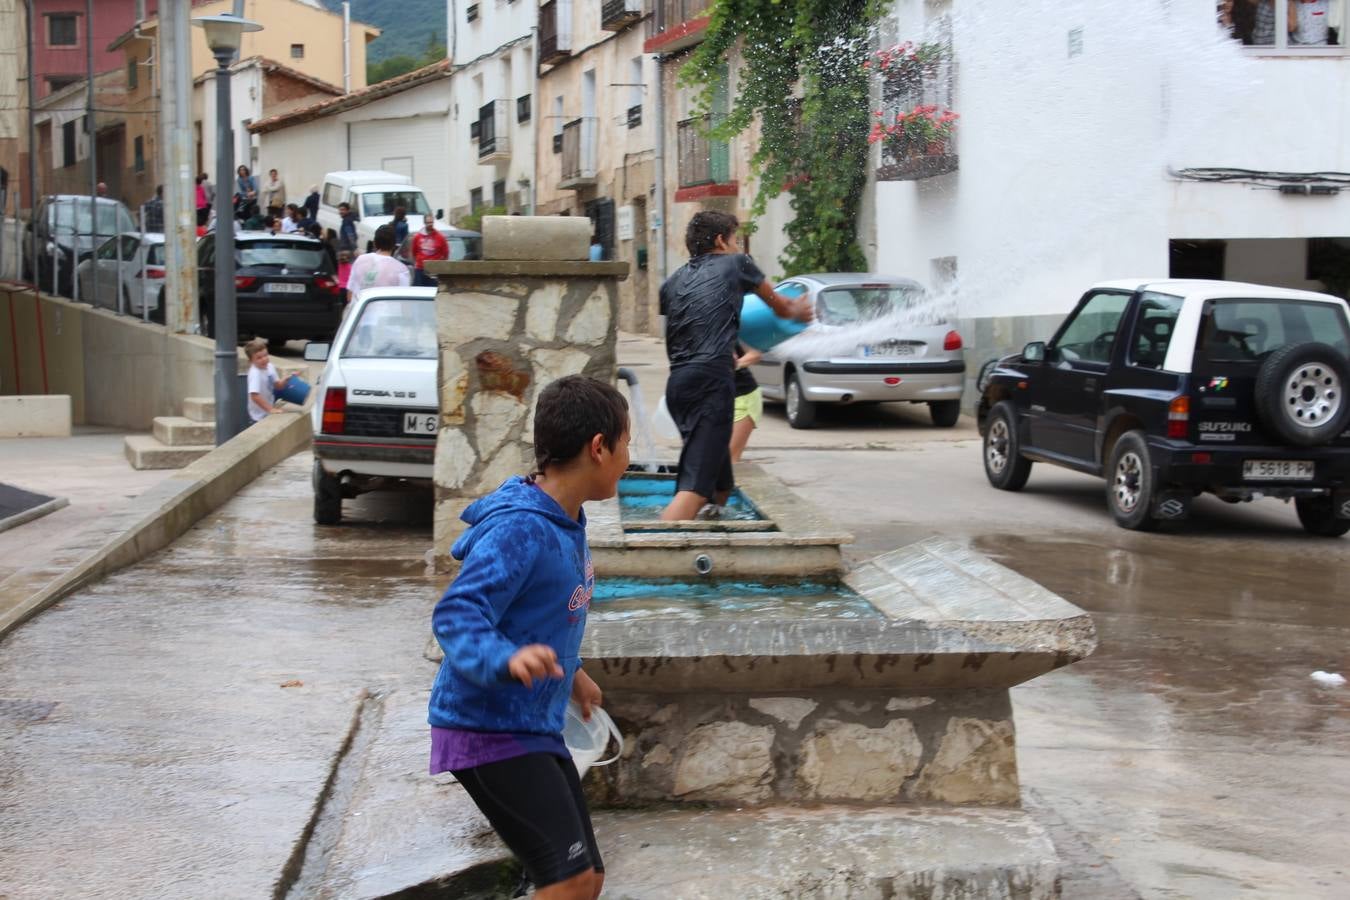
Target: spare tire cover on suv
pixel 1300 393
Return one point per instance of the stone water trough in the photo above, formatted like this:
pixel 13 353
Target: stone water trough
pixel 763 686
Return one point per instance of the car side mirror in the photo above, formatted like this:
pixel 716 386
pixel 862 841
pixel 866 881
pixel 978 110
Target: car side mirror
pixel 440 214
pixel 1034 352
pixel 316 351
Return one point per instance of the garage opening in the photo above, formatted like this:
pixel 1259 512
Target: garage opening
pixel 1310 264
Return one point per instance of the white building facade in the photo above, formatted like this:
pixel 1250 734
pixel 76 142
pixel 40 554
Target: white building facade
pixel 402 125
pixel 1100 141
pixel 492 106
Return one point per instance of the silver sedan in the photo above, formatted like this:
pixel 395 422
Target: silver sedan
pixel 876 338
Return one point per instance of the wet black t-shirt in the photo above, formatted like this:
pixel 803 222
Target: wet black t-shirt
pixel 702 305
pixel 745 382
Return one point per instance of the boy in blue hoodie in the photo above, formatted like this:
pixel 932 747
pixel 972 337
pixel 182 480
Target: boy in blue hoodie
pixel 511 625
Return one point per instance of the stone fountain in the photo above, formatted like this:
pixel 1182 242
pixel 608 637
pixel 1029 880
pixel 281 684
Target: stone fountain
pixel 764 687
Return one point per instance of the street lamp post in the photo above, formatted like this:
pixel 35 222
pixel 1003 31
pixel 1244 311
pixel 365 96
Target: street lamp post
pixel 224 33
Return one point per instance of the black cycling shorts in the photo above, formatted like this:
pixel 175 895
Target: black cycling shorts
pixel 703 402
pixel 535 805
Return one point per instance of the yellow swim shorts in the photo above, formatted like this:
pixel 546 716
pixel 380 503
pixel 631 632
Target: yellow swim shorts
pixel 751 404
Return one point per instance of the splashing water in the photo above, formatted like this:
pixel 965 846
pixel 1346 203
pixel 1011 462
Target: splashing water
pixel 923 311
pixel 642 430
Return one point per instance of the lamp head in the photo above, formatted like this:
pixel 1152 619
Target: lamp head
pixel 224 32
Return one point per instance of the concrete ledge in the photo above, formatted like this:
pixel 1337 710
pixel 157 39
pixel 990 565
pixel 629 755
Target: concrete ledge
pixel 536 237
pixel 528 268
pixel 154 519
pixel 35 415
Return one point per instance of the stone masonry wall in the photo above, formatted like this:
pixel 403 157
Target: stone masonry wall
pixel 952 747
pixel 503 338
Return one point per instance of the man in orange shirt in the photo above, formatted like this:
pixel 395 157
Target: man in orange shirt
pixel 427 244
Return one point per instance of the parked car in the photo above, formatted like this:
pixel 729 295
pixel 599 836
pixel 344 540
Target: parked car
pixel 847 362
pixel 67 228
pixel 130 265
pixel 463 244
pixel 285 286
pixel 1170 389
pixel 373 196
pixel 377 413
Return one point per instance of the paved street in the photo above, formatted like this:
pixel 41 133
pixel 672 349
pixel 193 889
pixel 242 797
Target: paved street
pixel 167 732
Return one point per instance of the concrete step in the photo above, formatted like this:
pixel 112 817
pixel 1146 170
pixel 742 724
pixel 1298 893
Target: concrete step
pixel 144 452
pixel 200 409
pixel 177 431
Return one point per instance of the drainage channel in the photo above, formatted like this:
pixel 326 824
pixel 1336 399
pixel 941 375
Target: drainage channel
pixel 303 873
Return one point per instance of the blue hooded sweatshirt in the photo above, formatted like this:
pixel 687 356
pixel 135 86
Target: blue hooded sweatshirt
pixel 525 578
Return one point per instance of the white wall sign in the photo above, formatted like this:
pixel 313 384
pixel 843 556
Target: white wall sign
pixel 623 223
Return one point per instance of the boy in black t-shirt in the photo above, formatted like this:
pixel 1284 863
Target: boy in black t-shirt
pixel 702 305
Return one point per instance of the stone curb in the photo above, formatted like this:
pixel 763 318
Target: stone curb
pixel 153 520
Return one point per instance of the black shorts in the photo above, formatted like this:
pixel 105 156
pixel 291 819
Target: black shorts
pixel 702 401
pixel 535 805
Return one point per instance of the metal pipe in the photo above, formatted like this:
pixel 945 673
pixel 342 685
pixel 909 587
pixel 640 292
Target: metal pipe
pixel 659 160
pixel 145 307
pixel 346 47
pixel 32 149
pixel 91 147
pixel 223 313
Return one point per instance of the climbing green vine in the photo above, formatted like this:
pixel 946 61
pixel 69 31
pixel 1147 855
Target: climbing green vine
pixel 816 148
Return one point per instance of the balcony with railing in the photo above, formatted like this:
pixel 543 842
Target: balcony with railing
pixel 555 31
pixel 494 132
pixel 676 24
pixel 704 165
pixel 578 153
pixel 616 15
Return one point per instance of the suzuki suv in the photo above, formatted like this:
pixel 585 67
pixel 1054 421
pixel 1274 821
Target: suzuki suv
pixel 1170 389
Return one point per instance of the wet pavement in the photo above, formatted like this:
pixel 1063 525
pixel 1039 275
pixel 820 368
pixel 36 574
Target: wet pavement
pixel 169 732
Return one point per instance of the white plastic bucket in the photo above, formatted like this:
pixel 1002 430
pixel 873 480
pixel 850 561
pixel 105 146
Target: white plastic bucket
pixel 586 741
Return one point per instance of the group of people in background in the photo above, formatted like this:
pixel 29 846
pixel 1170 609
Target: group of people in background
pixel 1309 23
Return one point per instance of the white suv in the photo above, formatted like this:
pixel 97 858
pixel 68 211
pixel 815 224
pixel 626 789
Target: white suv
pixel 376 415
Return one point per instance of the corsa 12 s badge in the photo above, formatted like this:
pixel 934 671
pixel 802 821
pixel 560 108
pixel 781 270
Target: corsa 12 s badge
pixel 366 392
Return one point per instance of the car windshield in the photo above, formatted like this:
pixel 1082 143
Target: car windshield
pixel 394 328
pixel 1249 330
pixel 73 216
pixel 466 247
pixel 844 306
pixel 287 254
pixel 383 203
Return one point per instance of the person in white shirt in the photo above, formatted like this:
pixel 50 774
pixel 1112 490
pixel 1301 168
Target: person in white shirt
pixel 290 222
pixel 1309 21
pixel 262 380
pixel 377 269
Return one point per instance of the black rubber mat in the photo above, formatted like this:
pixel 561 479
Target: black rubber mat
pixel 16 500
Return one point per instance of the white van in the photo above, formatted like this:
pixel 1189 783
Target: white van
pixel 373 196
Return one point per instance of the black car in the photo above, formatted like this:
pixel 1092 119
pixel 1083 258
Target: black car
pixel 66 229
pixel 285 287
pixel 1171 389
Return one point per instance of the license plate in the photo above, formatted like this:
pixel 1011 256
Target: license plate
pixel 888 348
pixel 284 287
pixel 419 423
pixel 1277 470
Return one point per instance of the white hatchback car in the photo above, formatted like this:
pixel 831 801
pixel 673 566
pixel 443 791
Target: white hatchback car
pixel 132 261
pixel 376 413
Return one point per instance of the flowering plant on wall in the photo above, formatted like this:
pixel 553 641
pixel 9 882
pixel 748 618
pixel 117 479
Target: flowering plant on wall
pixel 907 61
pixel 923 130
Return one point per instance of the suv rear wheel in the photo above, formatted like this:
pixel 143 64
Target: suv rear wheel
pixel 1300 393
pixel 1318 516
pixel 327 497
pixel 1130 488
pixel 1004 465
